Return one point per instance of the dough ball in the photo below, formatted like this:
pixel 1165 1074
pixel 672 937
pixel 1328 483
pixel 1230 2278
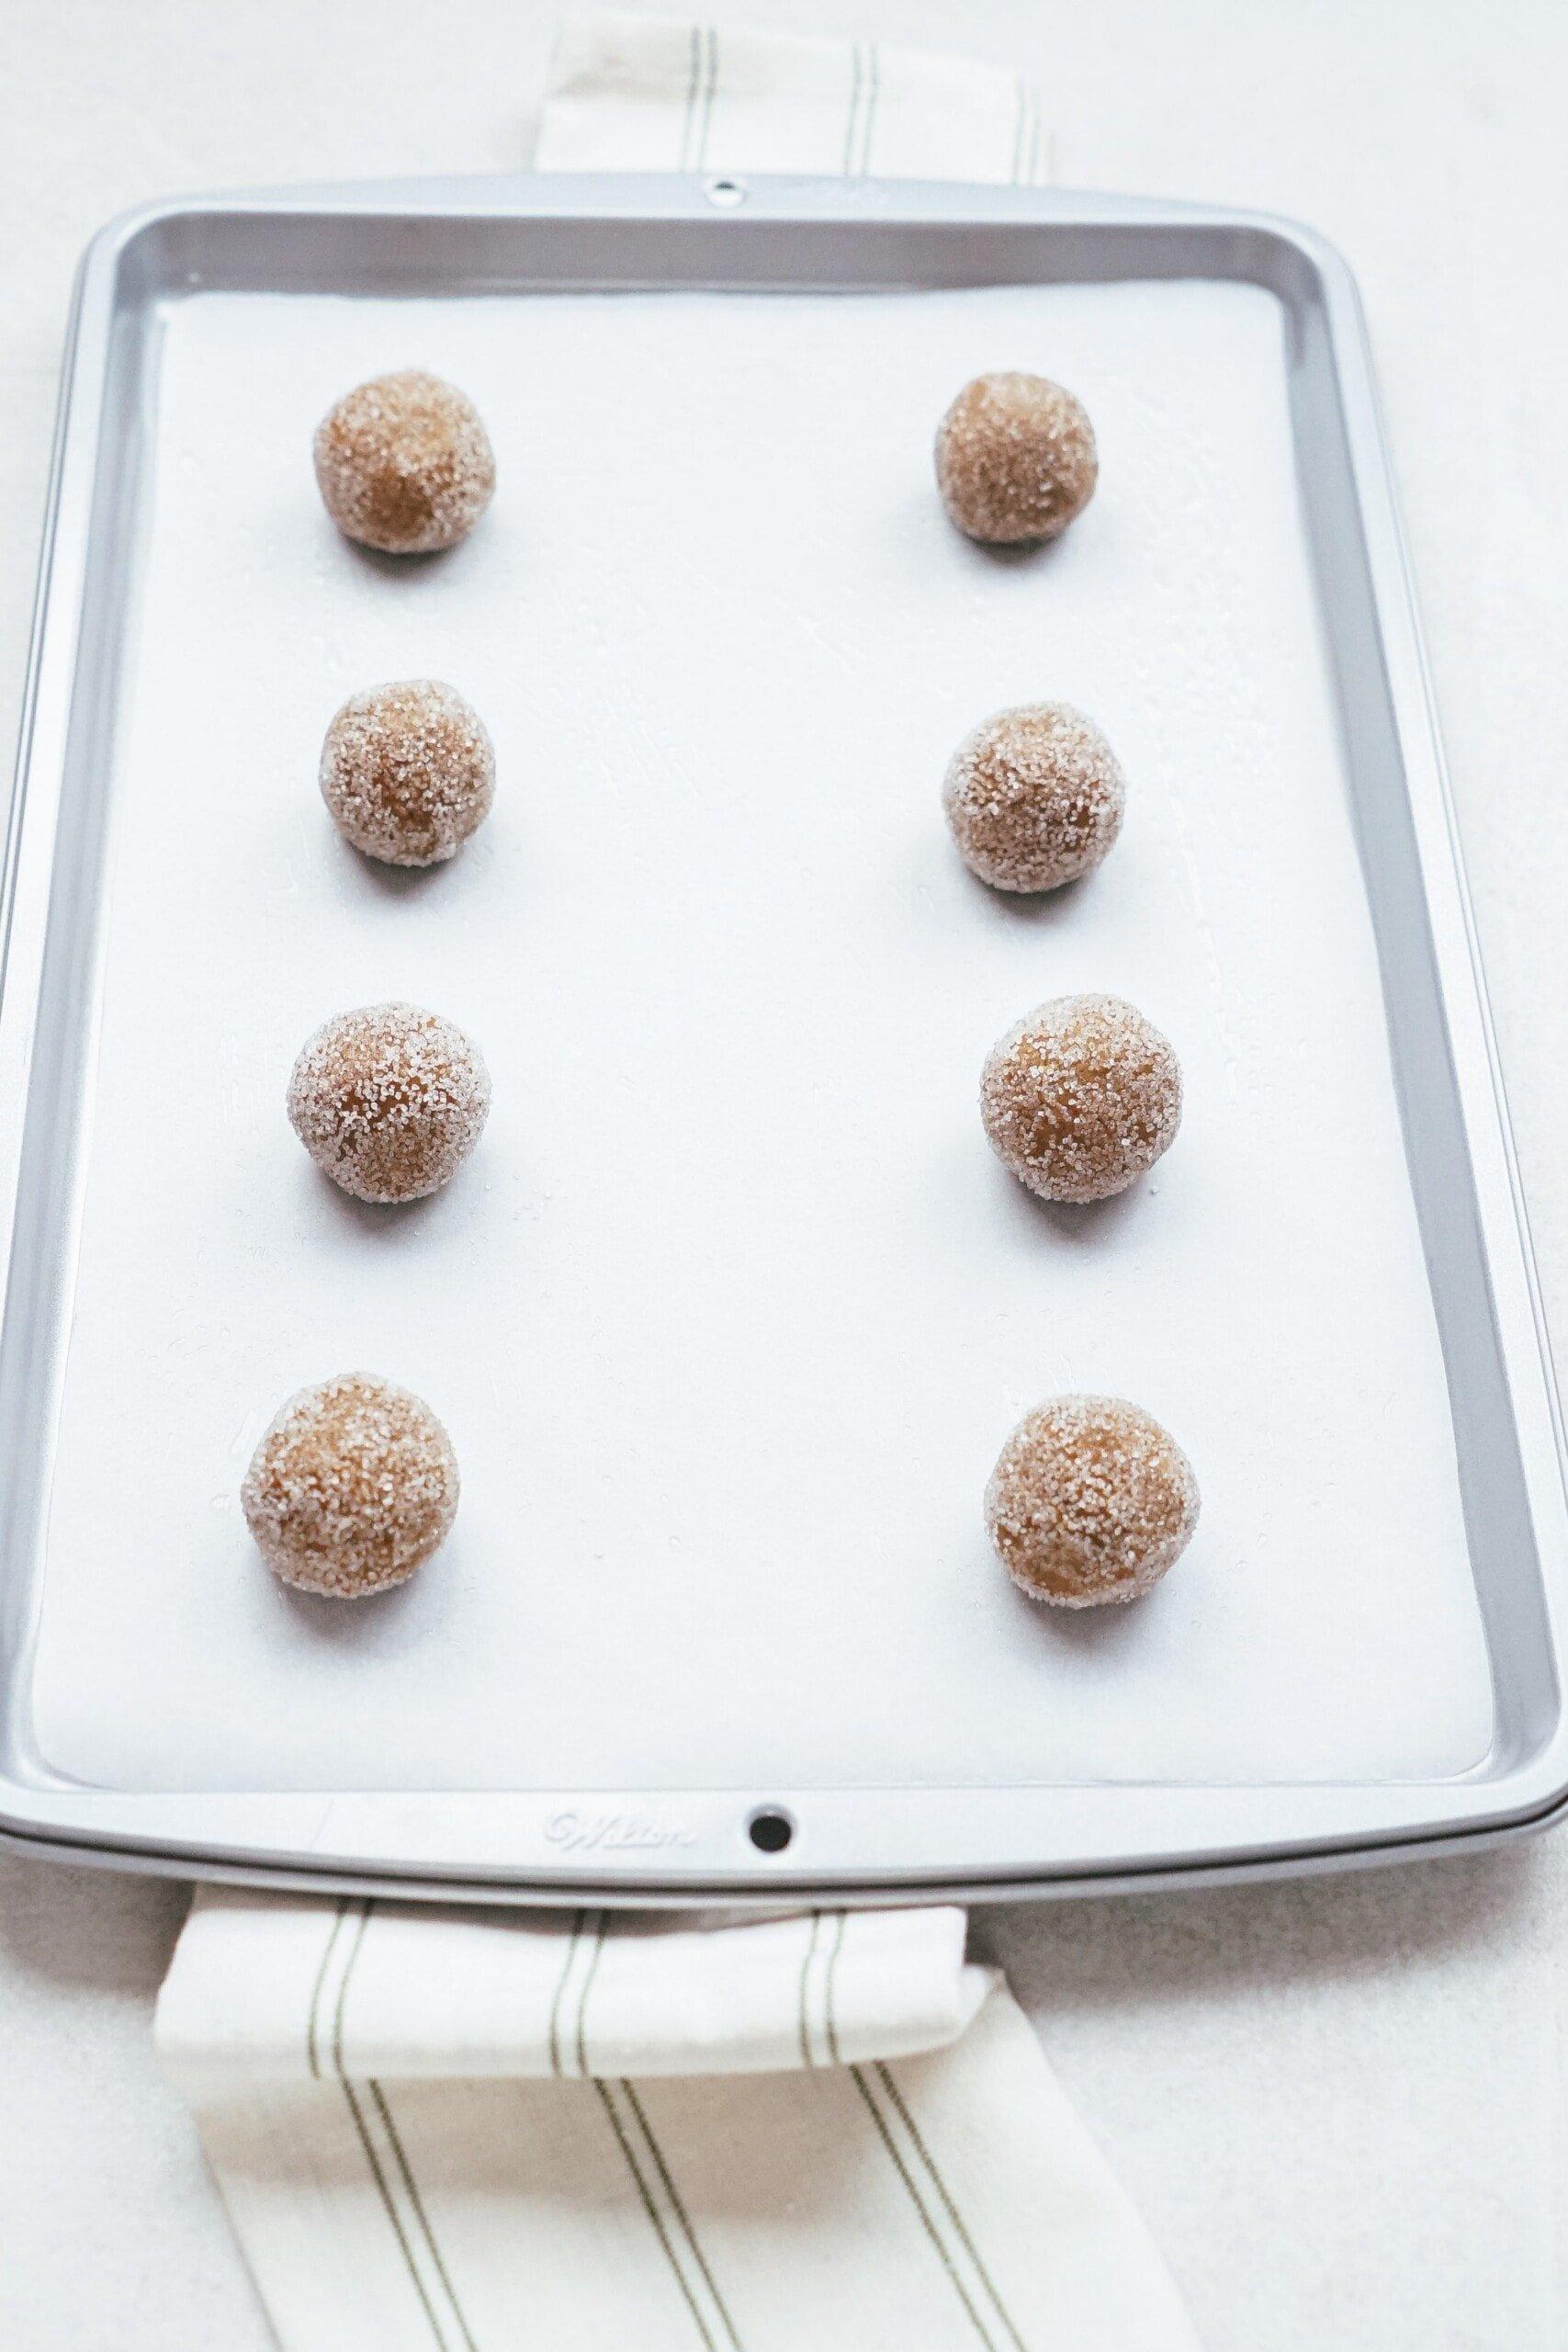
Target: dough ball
pixel 352 1488
pixel 1035 796
pixel 389 1101
pixel 1015 459
pixel 408 771
pixel 404 463
pixel 1091 1501
pixel 1081 1098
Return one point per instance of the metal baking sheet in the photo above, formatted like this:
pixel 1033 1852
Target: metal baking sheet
pixel 732 1310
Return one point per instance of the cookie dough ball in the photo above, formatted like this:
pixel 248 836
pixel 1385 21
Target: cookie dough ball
pixel 404 464
pixel 1035 796
pixel 389 1101
pixel 408 771
pixel 1091 1501
pixel 1081 1098
pixel 352 1488
pixel 1015 459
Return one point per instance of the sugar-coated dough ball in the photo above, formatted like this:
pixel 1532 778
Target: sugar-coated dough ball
pixel 389 1101
pixel 404 463
pixel 408 771
pixel 1081 1098
pixel 1091 1501
pixel 1015 459
pixel 352 1488
pixel 1035 796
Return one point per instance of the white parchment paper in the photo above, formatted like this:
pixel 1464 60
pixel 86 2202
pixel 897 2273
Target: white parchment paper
pixel 732 1310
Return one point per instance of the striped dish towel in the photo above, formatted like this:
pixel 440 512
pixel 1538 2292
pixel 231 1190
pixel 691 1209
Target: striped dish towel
pixel 468 2130
pixel 445 2129
pixel 647 93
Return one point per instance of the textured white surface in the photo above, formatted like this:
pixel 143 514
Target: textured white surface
pixel 1333 2102
pixel 733 1308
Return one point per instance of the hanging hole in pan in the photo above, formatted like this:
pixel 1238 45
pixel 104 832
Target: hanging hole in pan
pixel 770 1830
pixel 725 193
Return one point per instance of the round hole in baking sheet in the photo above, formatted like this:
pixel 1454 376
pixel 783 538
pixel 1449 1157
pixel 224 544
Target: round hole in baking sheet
pixel 725 193
pixel 770 1830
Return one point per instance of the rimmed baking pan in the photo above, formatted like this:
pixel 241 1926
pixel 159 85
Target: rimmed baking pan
pixel 732 1310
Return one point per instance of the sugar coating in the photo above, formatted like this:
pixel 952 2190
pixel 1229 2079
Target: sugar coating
pixel 1015 459
pixel 1035 796
pixel 389 1101
pixel 408 771
pixel 352 1488
pixel 1081 1098
pixel 1091 1501
pixel 404 463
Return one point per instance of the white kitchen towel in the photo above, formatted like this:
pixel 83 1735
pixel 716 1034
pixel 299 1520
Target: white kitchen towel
pixel 454 2129
pixel 468 1991
pixel 468 2130
pixel 649 94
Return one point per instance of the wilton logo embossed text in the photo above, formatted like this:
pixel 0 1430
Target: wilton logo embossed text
pixel 579 1833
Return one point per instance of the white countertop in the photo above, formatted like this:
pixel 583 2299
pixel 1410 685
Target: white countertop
pixel 1337 2102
